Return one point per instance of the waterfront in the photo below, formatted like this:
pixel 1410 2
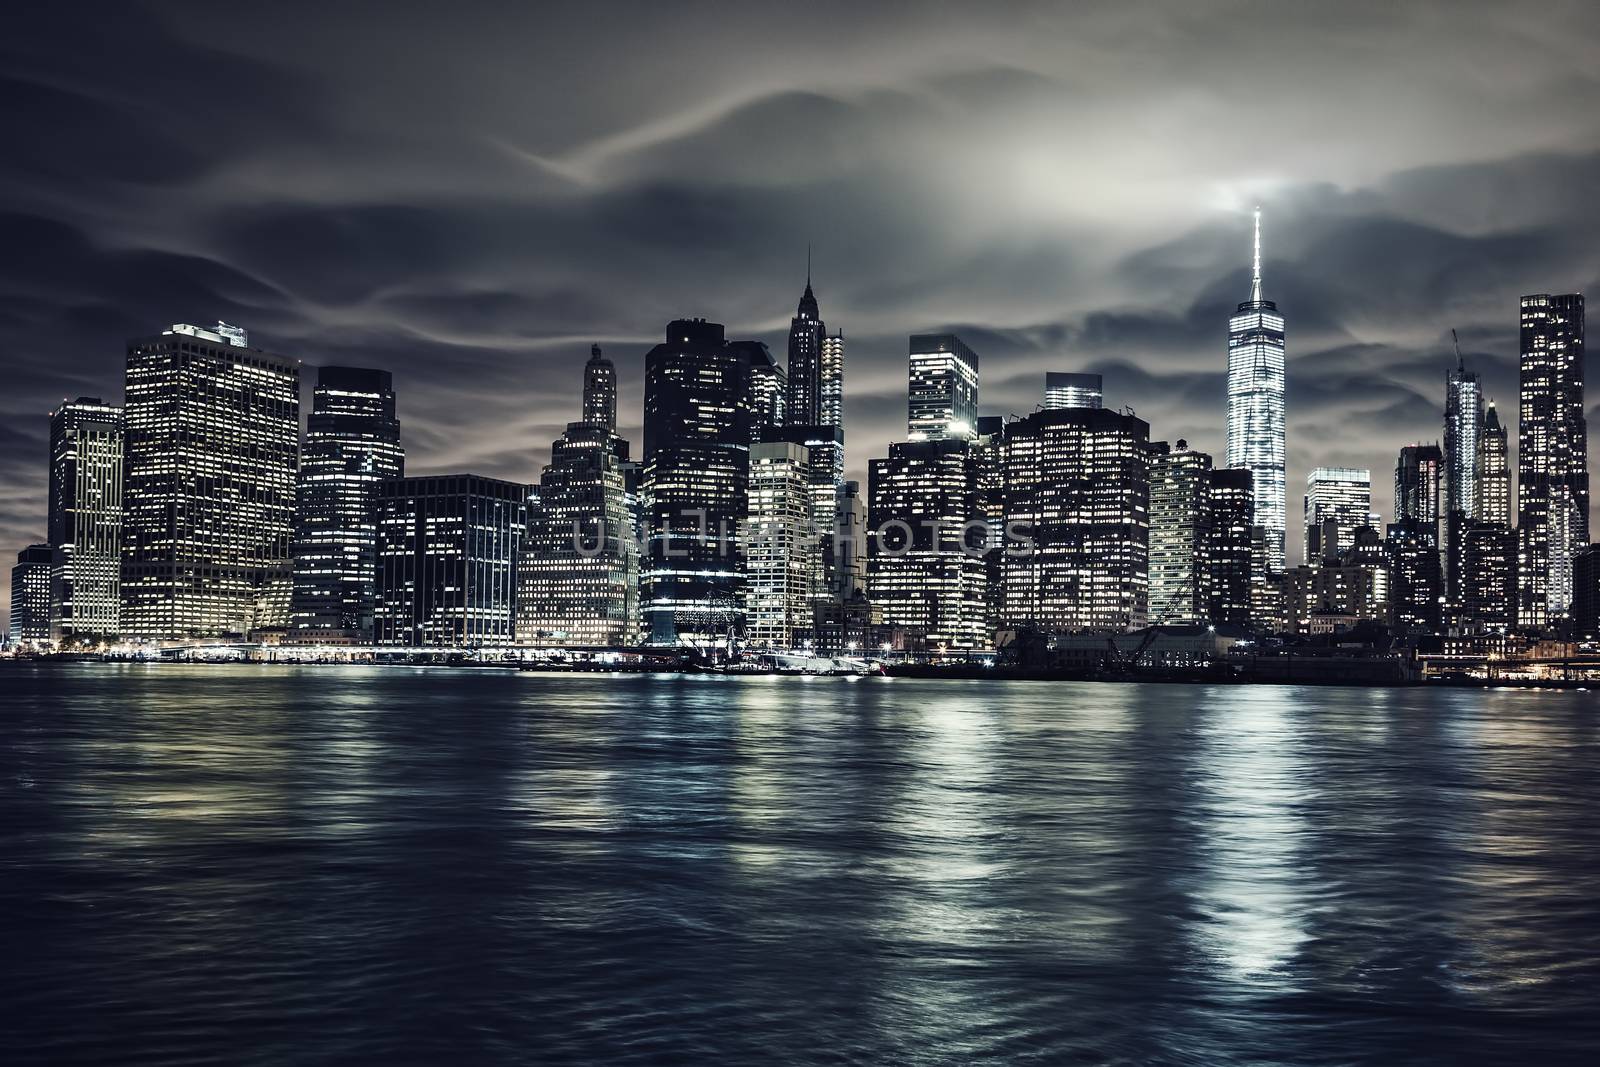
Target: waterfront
pixel 242 864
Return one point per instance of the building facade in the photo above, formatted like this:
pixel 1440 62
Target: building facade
pixel 1255 430
pixel 695 486
pixel 783 549
pixel 943 395
pixel 30 597
pixel 86 483
pixel 1552 457
pixel 1180 534
pixel 1342 496
pixel 352 446
pixel 1077 493
pixel 212 456
pixel 1232 506
pixel 1063 390
pixel 448 547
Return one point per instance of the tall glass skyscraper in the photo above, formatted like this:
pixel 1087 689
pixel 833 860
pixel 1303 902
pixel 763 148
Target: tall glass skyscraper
pixel 599 390
pixel 806 379
pixel 1463 430
pixel 213 446
pixel 943 395
pixel 352 446
pixel 1255 406
pixel 1343 496
pixel 1180 531
pixel 86 447
pixel 1552 457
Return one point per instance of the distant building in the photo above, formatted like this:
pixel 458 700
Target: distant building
pixel 1180 534
pixel 1416 566
pixel 1488 577
pixel 86 478
pixel 1494 475
pixel 447 556
pixel 783 551
pixel 1255 408
pixel 943 395
pixel 1231 503
pixel 1077 487
pixel 1586 594
pixel 1552 457
pixel 809 381
pixel 213 442
pixel 1463 447
pixel 695 486
pixel 1343 496
pixel 578 572
pixel 833 380
pixel 352 446
pixel 600 391
pixel 1062 390
pixel 767 387
pixel 30 597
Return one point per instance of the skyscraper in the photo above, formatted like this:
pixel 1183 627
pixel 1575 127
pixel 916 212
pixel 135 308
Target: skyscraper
pixel 447 557
pixel 30 597
pixel 806 379
pixel 1255 406
pixel 768 407
pixel 784 556
pixel 1486 594
pixel 1180 532
pixel 1494 474
pixel 599 390
pixel 832 407
pixel 1416 571
pixel 1228 561
pixel 86 450
pixel 695 485
pixel 352 446
pixel 213 435
pixel 943 395
pixel 1552 457
pixel 1077 486
pixel 1071 390
pixel 578 571
pixel 1342 495
pixel 1463 431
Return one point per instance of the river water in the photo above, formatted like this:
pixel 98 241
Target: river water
pixel 271 865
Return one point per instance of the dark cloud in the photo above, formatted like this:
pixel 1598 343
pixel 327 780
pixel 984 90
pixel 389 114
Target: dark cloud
pixel 471 199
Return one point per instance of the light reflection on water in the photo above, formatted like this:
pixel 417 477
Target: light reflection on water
pixel 254 865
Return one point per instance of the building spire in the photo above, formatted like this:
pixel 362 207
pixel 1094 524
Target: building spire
pixel 1255 278
pixel 1461 363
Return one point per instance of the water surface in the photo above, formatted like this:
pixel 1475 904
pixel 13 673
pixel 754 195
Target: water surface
pixel 266 865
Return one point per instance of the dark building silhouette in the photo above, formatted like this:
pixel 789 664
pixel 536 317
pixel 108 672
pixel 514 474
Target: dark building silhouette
pixel 1586 593
pixel 447 557
pixel 352 446
pixel 695 485
pixel 1231 501
pixel 1416 568
pixel 30 597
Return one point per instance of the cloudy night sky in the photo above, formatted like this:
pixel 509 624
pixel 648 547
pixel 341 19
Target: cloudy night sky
pixel 471 194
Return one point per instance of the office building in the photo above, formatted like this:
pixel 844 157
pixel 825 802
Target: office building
pixel 448 547
pixel 695 486
pixel 1552 457
pixel 1180 534
pixel 1416 567
pixel 1255 428
pixel 578 572
pixel 1586 594
pixel 30 597
pixel 768 409
pixel 1071 390
pixel 832 387
pixel 1341 496
pixel 783 550
pixel 1488 577
pixel 925 568
pixel 1077 487
pixel 352 446
pixel 1494 471
pixel 1463 447
pixel 86 472
pixel 600 391
pixel 943 394
pixel 808 382
pixel 212 454
pixel 1231 508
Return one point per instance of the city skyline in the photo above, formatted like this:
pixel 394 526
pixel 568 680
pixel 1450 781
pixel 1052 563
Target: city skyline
pixel 481 289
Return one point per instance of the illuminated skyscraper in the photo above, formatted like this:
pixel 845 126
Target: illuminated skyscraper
pixel 1552 457
pixel 1416 571
pixel 30 597
pixel 1072 390
pixel 86 450
pixel 447 560
pixel 1077 484
pixel 943 397
pixel 352 446
pixel 578 571
pixel 1494 473
pixel 1228 562
pixel 832 407
pixel 1463 431
pixel 695 485
pixel 599 391
pixel 806 378
pixel 213 443
pixel 768 406
pixel 1180 532
pixel 1255 406
pixel 783 553
pixel 1342 495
